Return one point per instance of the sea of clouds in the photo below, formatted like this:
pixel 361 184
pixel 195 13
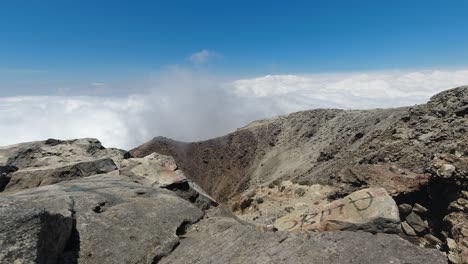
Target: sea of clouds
pixel 190 106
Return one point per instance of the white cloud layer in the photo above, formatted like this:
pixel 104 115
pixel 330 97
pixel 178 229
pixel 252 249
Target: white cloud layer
pixel 190 106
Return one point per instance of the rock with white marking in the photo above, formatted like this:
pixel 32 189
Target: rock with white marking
pixel 368 209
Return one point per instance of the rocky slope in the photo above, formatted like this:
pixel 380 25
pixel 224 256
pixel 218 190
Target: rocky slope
pixel 145 210
pixel 322 186
pixel 273 167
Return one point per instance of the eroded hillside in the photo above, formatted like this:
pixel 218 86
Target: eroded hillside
pixel 419 154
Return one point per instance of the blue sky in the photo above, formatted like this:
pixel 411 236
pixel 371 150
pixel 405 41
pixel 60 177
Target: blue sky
pixel 48 44
pixel 126 71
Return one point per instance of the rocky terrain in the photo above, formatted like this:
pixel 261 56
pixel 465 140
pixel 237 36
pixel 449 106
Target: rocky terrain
pixel 319 186
pixel 271 168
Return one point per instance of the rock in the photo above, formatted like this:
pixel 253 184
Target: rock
pixel 458 227
pixel 31 178
pixel 30 233
pixel 408 229
pixel 446 171
pixel 453 254
pixel 39 154
pixel 245 203
pixel 259 200
pixel 404 209
pixel 5 175
pixel 300 192
pixel 99 219
pixel 46 162
pixel 226 240
pixel 368 209
pixel 451 244
pixel 462 110
pixel 155 169
pixel 419 209
pixel 161 171
pixel 416 222
pixel 433 239
pixel 53 142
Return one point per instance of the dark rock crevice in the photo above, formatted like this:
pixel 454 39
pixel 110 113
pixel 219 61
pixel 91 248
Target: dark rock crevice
pixel 436 197
pixel 181 230
pixel 71 252
pixel 5 175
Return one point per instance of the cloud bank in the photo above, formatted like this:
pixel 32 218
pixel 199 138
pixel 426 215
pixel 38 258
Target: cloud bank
pixel 186 105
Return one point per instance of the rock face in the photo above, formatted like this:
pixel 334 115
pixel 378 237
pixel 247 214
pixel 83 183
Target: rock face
pixel 353 174
pixel 218 239
pixel 145 210
pixel 75 201
pixel 98 219
pixel 41 163
pixel 372 210
pixel 161 171
pixel 30 178
pixel 418 154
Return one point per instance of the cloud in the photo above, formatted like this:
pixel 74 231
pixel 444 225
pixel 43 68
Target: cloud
pixel 203 56
pixel 354 90
pixel 188 105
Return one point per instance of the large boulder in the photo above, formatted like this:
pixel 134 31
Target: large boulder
pixel 53 152
pixel 33 164
pixel 31 178
pixel 99 219
pixel 369 209
pixel 161 171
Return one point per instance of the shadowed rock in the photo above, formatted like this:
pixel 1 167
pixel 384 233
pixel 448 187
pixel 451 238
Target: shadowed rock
pixel 117 220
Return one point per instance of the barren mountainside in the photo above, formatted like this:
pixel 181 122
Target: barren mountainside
pixel 318 186
pixel 419 154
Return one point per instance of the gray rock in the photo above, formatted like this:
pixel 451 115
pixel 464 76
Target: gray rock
pixel 416 222
pixel 419 209
pixel 462 110
pixel 226 240
pixel 31 178
pixel 408 229
pixel 161 171
pixel 99 219
pixel 30 233
pixel 404 209
pixel 44 153
pixel 433 239
pixel 446 171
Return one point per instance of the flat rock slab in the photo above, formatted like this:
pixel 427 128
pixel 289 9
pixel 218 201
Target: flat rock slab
pixel 57 153
pixel 225 240
pixel 101 219
pixel 31 178
pixel 369 209
pixel 33 164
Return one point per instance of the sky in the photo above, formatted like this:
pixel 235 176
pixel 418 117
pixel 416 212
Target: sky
pixel 126 71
